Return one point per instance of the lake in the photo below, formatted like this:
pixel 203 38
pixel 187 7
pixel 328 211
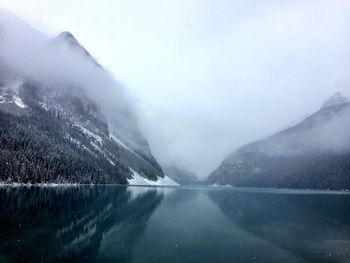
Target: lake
pixel 160 224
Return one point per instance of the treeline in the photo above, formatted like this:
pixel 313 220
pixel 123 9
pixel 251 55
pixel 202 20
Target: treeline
pixel 313 171
pixel 41 147
pixel 109 155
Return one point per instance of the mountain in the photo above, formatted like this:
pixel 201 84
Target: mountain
pixel 181 176
pixel 313 154
pixel 68 38
pixel 63 118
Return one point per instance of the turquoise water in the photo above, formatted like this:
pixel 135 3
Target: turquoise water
pixel 149 224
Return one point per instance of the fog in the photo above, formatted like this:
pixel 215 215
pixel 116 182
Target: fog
pixel 317 134
pixel 52 62
pixel 205 76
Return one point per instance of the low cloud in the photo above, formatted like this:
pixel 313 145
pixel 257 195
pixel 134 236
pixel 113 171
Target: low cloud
pixel 211 76
pixel 28 54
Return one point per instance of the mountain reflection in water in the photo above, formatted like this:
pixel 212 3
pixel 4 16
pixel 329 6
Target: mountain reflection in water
pixel 66 224
pixel 160 224
pixel 302 226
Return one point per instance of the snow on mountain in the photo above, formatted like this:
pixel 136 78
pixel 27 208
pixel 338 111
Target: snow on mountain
pixel 137 179
pixel 18 101
pixel 9 96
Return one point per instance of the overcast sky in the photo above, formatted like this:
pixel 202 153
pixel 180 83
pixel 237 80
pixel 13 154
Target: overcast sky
pixel 209 76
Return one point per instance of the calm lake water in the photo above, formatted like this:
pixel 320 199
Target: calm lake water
pixel 145 224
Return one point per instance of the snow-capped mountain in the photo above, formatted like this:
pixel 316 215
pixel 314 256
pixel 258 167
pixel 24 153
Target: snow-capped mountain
pixel 63 117
pixel 314 153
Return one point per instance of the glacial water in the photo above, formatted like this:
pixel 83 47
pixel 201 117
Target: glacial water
pixel 160 224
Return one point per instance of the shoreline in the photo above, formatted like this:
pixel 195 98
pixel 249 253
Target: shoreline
pixel 257 190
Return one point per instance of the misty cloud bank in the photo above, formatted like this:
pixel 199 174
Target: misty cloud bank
pixel 327 131
pixel 54 63
pixel 210 76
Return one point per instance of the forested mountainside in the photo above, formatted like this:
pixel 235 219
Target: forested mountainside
pixel 63 118
pixel 314 154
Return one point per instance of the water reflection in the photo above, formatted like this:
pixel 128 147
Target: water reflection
pixel 310 227
pixel 180 197
pixel 67 224
pixel 140 224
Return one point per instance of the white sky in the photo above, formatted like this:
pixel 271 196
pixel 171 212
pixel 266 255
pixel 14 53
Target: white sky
pixel 209 75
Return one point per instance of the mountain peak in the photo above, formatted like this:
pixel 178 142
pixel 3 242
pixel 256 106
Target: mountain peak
pixel 336 99
pixel 69 38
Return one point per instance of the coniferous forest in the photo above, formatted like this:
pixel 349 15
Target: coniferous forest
pixel 35 148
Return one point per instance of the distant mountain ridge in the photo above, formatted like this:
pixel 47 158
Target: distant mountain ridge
pixel 314 153
pixel 181 176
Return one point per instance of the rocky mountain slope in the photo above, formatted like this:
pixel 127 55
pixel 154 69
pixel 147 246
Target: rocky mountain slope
pixel 63 119
pixel 314 153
